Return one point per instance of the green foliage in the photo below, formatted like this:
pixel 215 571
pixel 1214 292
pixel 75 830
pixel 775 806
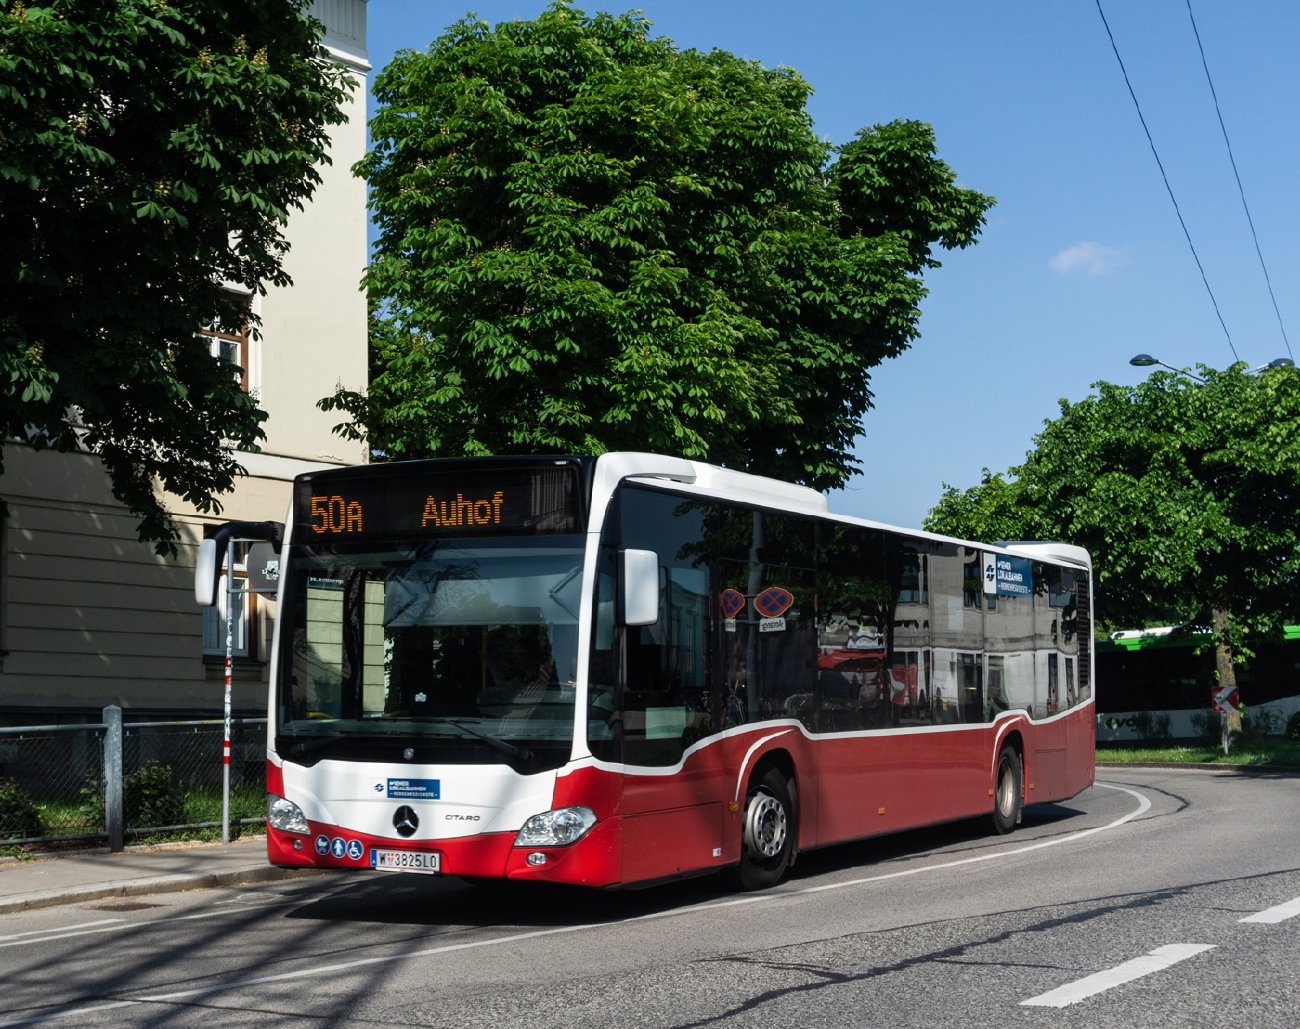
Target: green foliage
pixel 591 240
pixel 1292 731
pixel 1187 495
pixel 1152 727
pixel 19 816
pixel 149 151
pixel 1256 753
pixel 1208 726
pixel 151 796
pixel 1259 723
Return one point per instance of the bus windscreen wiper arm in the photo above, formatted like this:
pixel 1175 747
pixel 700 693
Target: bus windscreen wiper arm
pixel 509 749
pixel 316 742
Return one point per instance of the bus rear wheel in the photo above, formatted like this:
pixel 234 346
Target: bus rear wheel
pixel 769 832
pixel 1009 791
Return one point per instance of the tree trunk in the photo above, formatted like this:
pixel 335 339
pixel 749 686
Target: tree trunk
pixel 1226 670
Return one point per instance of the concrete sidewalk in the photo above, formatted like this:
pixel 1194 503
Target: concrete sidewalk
pixel 50 881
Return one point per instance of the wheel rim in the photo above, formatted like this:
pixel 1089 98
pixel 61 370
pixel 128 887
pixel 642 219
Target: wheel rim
pixel 765 826
pixel 1006 791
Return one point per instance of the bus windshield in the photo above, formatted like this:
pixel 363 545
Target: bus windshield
pixel 465 647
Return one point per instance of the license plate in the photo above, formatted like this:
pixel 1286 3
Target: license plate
pixel 406 861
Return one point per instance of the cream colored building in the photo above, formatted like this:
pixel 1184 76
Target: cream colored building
pixel 89 616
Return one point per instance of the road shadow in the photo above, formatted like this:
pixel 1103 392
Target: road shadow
pixel 953 840
pixel 448 901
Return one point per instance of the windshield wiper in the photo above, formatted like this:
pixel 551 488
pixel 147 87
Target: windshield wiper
pixel 317 742
pixel 509 749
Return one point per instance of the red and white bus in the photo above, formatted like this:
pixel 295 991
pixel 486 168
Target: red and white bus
pixel 627 669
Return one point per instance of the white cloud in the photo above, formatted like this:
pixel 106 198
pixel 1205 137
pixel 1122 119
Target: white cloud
pixel 1089 258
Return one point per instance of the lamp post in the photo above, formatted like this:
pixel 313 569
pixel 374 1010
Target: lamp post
pixel 1146 361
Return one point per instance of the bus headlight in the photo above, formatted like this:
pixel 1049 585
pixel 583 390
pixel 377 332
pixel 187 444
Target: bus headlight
pixel 285 815
pixel 556 828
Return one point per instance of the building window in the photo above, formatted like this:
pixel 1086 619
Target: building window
pixel 972 583
pixel 914 585
pixel 232 348
pixel 230 343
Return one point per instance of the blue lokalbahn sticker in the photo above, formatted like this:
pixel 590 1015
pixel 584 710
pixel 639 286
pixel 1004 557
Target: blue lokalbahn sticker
pixel 413 789
pixel 1008 576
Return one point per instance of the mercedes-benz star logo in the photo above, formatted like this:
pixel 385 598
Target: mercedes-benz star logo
pixel 406 821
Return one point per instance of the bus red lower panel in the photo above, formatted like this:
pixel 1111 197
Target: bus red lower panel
pixel 863 786
pixel 485 855
pixel 1059 760
pixel 592 861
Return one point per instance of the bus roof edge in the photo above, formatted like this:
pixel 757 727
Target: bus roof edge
pixel 1065 553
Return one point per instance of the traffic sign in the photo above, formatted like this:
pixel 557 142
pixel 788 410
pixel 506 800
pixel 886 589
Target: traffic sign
pixel 1225 698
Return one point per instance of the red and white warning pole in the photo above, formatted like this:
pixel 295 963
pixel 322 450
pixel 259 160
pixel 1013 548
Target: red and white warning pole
pixel 230 653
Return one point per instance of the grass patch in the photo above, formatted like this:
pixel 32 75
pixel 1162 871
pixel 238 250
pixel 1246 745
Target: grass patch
pixel 155 801
pixel 1254 752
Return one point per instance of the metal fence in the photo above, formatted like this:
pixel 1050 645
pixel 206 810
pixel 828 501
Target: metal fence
pixel 116 780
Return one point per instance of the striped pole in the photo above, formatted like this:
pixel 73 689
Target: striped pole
pixel 230 653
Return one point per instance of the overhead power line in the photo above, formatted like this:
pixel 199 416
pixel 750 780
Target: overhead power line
pixel 1169 188
pixel 1246 207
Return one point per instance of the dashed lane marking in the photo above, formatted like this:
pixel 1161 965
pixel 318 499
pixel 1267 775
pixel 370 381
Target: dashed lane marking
pixel 1272 915
pixel 60 929
pixel 1156 961
pixel 103 927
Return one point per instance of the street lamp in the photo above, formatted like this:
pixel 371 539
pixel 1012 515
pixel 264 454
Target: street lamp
pixel 1146 361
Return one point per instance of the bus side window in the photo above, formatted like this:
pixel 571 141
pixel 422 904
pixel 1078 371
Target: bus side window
pixel 664 703
pixel 856 605
pixel 782 610
pixel 603 726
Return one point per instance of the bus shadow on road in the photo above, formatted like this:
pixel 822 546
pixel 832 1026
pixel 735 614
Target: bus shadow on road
pixel 452 903
pixel 967 838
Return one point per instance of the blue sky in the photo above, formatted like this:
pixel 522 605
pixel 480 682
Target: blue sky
pixel 1082 264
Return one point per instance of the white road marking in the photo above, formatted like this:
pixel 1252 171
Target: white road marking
pixel 62 928
pixel 1159 959
pixel 1144 805
pixel 63 934
pixel 1272 915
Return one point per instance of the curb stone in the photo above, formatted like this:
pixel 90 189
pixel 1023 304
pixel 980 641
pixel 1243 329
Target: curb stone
pixel 1205 766
pixel 176 883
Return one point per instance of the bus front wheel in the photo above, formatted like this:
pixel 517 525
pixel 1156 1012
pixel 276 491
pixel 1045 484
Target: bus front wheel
pixel 1009 791
pixel 767 839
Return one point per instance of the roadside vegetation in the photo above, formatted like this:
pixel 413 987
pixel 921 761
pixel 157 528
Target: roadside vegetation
pixel 153 798
pixel 1264 740
pixel 1256 752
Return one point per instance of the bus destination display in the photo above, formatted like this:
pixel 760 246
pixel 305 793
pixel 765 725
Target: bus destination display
pixel 508 502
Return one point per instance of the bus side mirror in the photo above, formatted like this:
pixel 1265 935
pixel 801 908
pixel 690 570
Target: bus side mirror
pixel 207 573
pixel 638 587
pixel 212 554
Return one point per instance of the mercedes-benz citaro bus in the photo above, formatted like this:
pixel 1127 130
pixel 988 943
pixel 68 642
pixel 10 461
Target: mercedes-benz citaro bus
pixel 626 669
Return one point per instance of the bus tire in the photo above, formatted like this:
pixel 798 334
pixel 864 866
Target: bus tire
pixel 768 832
pixel 1008 791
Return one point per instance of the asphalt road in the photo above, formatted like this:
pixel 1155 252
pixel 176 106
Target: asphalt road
pixel 1124 907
